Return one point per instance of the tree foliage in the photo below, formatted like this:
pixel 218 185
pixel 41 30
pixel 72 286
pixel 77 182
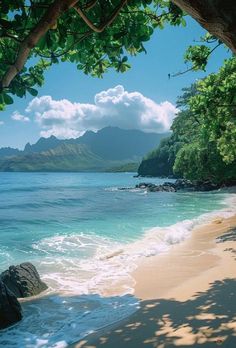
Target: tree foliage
pixel 203 143
pixel 95 35
pixel 215 100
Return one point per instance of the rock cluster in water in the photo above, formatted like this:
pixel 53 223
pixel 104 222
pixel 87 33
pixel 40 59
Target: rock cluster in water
pixel 166 187
pixel 18 281
pixel 179 184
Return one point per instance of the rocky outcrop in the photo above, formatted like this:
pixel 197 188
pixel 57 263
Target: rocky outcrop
pixel 179 184
pixel 23 280
pixel 183 184
pixel 166 187
pixel 10 309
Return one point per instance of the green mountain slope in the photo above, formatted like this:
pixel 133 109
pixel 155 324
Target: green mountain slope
pixel 111 143
pixel 109 149
pixel 65 157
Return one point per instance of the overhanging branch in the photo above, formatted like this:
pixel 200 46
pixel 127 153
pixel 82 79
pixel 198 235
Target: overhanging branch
pixel 102 26
pixel 45 23
pixel 195 67
pixel 89 5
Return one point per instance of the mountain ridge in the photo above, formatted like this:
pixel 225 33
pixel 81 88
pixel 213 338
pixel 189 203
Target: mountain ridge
pixel 101 150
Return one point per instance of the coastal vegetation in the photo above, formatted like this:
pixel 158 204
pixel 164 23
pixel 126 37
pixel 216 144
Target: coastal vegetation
pixel 95 35
pixel 203 143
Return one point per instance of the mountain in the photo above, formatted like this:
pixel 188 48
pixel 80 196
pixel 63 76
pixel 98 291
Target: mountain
pixel 113 143
pixel 110 149
pixel 43 144
pixel 65 157
pixel 8 151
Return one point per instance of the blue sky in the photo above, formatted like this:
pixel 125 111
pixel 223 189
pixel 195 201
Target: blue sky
pixel 148 77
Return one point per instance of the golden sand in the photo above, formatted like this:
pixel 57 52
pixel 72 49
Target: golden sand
pixel 188 296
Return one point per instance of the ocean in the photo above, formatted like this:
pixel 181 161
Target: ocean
pixel 85 237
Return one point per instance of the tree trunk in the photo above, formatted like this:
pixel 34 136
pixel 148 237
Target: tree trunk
pixel 216 16
pixel 40 29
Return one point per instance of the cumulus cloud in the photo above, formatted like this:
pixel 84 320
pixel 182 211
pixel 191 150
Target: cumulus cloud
pixel 1 123
pixel 16 116
pixel 113 107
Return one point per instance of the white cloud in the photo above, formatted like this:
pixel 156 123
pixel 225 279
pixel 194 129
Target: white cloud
pixel 1 123
pixel 113 107
pixel 16 116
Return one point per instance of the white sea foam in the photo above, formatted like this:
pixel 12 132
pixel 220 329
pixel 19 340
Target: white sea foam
pixel 126 189
pixel 82 269
pixel 83 264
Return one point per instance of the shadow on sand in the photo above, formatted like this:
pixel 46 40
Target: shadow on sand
pixel 207 320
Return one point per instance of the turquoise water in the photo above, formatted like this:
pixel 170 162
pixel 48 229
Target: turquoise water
pixel 37 206
pixel 67 223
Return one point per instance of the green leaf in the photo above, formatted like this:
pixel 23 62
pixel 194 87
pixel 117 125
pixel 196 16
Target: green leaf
pixel 7 99
pixel 32 91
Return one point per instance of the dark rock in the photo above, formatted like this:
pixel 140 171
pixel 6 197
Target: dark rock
pixel 10 309
pixel 23 280
pixel 166 187
pixel 182 184
pixel 206 186
pixel 179 184
pixel 154 189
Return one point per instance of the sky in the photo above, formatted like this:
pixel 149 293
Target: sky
pixel 71 102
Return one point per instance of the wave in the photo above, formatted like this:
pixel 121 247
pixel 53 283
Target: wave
pixel 91 284
pixel 85 264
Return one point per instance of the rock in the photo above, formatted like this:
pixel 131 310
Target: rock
pixel 154 189
pixel 182 184
pixel 206 186
pixel 166 187
pixel 179 184
pixel 10 309
pixel 23 280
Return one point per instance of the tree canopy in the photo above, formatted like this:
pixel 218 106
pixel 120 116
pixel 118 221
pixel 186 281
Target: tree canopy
pixel 93 34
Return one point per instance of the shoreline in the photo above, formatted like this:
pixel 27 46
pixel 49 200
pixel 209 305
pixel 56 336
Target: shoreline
pixel 169 281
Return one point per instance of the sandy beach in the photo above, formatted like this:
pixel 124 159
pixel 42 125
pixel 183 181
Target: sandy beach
pixel 187 296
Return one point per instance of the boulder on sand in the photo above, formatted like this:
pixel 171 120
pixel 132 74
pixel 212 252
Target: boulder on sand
pixel 23 280
pixel 10 309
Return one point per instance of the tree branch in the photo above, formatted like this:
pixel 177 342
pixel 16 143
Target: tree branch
pixel 195 66
pixel 9 36
pixel 44 24
pixel 90 4
pixel 102 26
pixel 87 34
